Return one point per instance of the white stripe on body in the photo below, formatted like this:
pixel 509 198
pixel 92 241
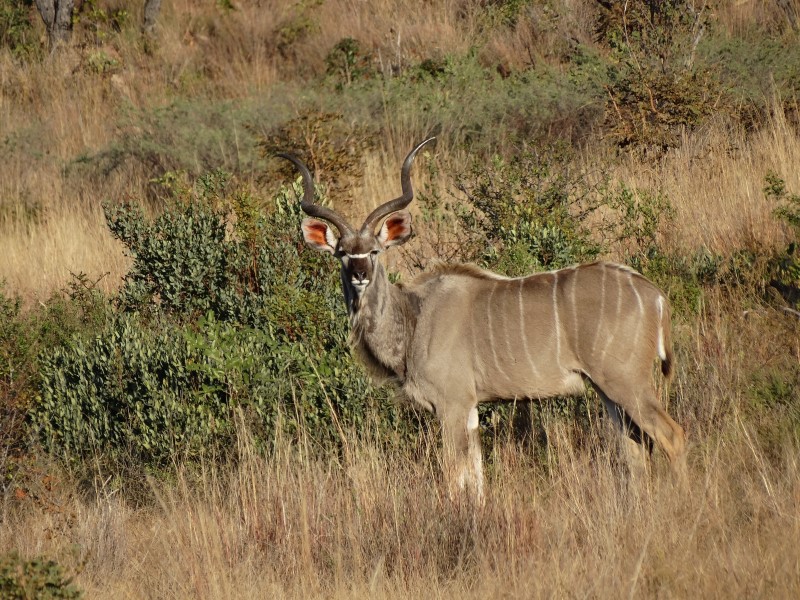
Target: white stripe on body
pixel 613 334
pixel 557 320
pixel 525 347
pixel 575 321
pixel 602 308
pixel 640 320
pixel 490 326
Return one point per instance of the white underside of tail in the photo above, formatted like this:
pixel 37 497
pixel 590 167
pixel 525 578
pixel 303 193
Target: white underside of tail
pixel 662 352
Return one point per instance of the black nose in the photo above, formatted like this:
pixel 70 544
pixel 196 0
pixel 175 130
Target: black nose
pixel 360 275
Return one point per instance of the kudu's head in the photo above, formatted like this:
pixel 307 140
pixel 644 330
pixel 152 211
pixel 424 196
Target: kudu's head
pixel 357 249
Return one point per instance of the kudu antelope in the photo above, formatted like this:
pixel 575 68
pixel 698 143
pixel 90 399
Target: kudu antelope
pixel 459 335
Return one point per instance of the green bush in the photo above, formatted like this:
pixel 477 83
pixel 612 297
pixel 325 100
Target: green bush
pixel 756 72
pixel 224 315
pixel 330 144
pixel 786 267
pixel 40 578
pixel 16 29
pixel 774 407
pixel 347 62
pixel 656 87
pixel 79 311
pixel 188 135
pixel 183 263
pixel 529 212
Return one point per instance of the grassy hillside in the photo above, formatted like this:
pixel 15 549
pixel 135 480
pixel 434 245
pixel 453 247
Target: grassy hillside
pixel 179 413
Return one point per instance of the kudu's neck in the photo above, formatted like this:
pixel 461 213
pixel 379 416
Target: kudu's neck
pixel 382 320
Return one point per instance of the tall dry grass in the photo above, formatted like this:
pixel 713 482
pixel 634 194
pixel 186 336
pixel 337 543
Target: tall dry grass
pixel 378 525
pixel 715 182
pixel 55 111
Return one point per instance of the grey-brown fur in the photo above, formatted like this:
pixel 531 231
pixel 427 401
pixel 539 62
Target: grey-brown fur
pixel 459 335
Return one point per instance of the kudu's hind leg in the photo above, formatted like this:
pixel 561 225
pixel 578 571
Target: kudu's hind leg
pixel 634 445
pixel 463 462
pixel 640 403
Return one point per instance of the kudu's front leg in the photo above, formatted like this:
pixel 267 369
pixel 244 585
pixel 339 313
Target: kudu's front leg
pixel 463 463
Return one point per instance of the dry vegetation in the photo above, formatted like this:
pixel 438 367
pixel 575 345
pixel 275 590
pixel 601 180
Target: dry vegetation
pixel 375 524
pixel 369 521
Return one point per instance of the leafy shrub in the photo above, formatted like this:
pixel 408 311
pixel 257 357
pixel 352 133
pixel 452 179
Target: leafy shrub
pixel 530 212
pixel 774 407
pixel 223 316
pixel 638 215
pixel 16 370
pixel 656 89
pixel 101 63
pixel 98 23
pixel 79 311
pixel 787 266
pixel 16 30
pixel 183 263
pixel 757 73
pixel 347 62
pixel 329 145
pixel 297 26
pixel 476 107
pixel 39 578
pixel 192 136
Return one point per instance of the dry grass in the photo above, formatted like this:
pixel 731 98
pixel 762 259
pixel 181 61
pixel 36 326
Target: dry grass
pixel 60 109
pixel 715 182
pixel 381 526
pixel 741 17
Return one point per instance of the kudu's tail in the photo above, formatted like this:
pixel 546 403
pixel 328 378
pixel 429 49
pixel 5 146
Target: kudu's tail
pixel 665 343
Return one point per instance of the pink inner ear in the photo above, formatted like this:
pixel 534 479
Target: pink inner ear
pixel 397 227
pixel 315 232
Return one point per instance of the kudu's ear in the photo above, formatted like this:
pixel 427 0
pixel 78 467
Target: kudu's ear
pixel 319 235
pixel 396 229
